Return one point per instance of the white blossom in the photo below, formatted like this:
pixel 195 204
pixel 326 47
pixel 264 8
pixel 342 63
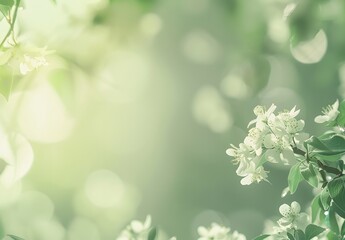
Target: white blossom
pixel 240 154
pixel 330 113
pixel 214 232
pixel 279 148
pixel 218 232
pixel 136 230
pixel 292 217
pixel 31 63
pixel 262 114
pixel 251 173
pixel 24 59
pixel 273 138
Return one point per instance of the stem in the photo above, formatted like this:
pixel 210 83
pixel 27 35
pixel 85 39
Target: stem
pixel 328 168
pixel 298 151
pixel 8 34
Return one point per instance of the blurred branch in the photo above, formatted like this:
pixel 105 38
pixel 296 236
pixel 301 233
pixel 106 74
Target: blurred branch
pixel 12 22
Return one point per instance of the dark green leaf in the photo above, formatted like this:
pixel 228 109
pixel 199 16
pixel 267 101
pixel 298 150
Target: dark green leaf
pixel 328 144
pixel 328 169
pixel 313 231
pixel 294 178
pixel 290 236
pixel 330 158
pixel 316 143
pixel 341 165
pixel 261 237
pixel 335 143
pixel 299 235
pixel 338 210
pixel 336 189
pixel 152 234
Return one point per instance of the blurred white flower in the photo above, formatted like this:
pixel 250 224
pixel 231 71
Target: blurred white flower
pixel 237 236
pixel 136 230
pixel 31 63
pixel 15 150
pixel 139 227
pixel 330 113
pixel 217 232
pixel 24 59
pixel 214 232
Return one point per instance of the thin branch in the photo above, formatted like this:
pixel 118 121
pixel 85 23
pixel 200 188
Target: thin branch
pixel 12 24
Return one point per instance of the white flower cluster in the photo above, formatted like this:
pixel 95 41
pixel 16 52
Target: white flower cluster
pixel 271 139
pixel 292 218
pixel 217 232
pixel 24 59
pixel 136 230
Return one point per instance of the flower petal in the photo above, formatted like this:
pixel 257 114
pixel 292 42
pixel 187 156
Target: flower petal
pixel 285 210
pixel 295 208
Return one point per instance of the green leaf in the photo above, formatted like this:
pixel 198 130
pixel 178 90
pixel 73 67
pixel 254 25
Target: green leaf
pixel 152 234
pixel 336 143
pixel 336 189
pixel 315 208
pixel 341 116
pixel 290 236
pixel 8 3
pixel 15 237
pixel 316 143
pixel 341 165
pixel 5 10
pixel 342 231
pixel 294 177
pixel 299 235
pixel 338 210
pixel 332 236
pixel 309 175
pixel 331 220
pixel 325 199
pixel 313 231
pixel 261 237
pixel 328 144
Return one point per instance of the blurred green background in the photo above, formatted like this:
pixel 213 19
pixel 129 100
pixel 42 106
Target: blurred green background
pixel 142 98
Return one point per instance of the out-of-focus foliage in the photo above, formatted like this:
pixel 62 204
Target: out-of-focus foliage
pixel 138 101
